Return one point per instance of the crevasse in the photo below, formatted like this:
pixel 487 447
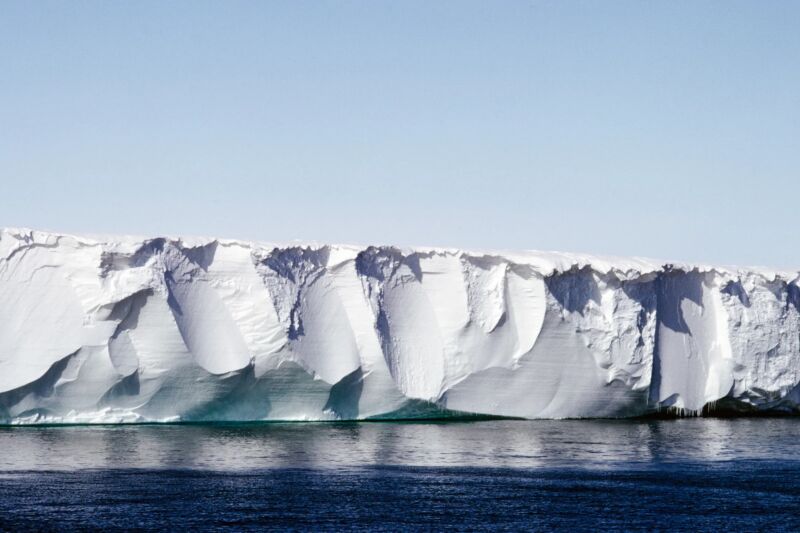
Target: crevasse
pixel 124 329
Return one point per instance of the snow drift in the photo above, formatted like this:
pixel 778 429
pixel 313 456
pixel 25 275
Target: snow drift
pixel 136 330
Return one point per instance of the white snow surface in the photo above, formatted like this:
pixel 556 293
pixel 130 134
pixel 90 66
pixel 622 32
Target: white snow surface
pixel 127 329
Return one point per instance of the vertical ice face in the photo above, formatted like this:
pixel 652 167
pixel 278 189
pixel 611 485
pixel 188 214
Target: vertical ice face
pixel 591 354
pixel 413 344
pixel 693 363
pixel 127 330
pixel 318 332
pixel 33 293
pixel 763 318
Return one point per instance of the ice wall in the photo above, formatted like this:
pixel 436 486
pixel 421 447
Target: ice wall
pixel 133 330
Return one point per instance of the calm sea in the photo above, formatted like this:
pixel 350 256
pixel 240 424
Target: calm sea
pixel 688 474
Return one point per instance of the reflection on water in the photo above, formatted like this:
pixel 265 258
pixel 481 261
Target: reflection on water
pixel 498 444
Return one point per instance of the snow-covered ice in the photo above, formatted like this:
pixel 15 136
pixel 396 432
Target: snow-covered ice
pixel 124 329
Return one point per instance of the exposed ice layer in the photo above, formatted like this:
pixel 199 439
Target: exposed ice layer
pixel 137 330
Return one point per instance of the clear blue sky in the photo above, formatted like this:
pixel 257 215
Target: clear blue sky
pixel 665 129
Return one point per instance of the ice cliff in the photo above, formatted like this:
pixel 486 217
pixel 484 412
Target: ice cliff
pixel 136 329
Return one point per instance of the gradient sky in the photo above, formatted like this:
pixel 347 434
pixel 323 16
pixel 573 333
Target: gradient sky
pixel 662 129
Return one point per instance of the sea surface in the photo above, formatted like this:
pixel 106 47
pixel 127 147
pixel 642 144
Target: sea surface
pixel 687 474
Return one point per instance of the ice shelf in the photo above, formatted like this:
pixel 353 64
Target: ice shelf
pixel 124 329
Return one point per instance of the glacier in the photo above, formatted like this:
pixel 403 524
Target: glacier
pixel 132 329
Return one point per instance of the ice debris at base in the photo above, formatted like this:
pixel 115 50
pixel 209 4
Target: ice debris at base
pixel 123 330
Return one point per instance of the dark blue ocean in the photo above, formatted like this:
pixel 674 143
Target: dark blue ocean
pixel 693 474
